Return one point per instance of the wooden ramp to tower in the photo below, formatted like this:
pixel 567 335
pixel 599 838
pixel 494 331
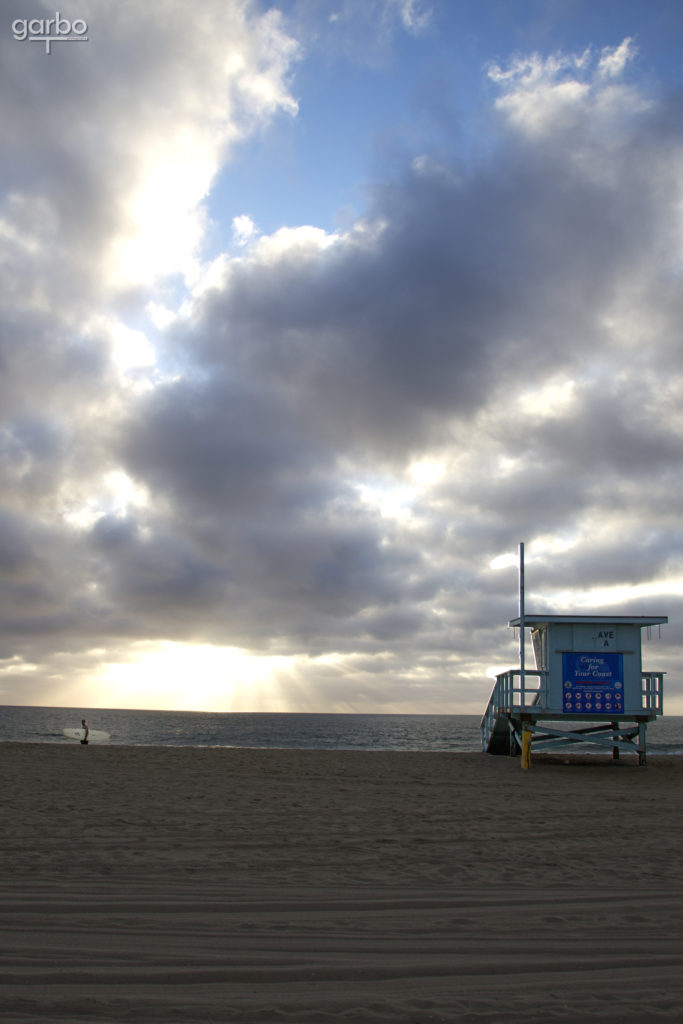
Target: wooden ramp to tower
pixel 588 687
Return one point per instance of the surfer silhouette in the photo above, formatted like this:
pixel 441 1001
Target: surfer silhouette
pixel 85 725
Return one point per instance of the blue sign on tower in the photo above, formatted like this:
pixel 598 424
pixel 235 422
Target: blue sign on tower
pixel 592 683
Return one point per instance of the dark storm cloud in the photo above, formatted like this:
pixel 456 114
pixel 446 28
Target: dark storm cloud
pixel 210 442
pixel 501 278
pixel 651 553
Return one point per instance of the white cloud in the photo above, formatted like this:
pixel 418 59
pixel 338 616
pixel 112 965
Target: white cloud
pixel 534 109
pixel 541 94
pixel 160 315
pixel 613 60
pixel 243 229
pixel 301 242
pixel 415 15
pixel 131 349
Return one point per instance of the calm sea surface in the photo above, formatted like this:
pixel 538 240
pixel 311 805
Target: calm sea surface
pixel 297 731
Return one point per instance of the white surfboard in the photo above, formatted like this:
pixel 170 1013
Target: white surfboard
pixel 95 735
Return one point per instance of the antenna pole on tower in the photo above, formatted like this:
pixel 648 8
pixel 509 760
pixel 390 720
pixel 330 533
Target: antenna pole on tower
pixel 521 620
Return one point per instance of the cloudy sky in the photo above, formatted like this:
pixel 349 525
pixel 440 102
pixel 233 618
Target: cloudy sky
pixel 311 313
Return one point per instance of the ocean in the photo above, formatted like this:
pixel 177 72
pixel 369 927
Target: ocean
pixel 455 733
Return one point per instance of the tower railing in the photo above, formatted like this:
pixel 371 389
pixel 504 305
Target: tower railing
pixel 515 691
pixel 653 692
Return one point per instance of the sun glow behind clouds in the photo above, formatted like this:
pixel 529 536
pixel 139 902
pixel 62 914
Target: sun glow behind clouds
pixel 427 471
pixel 193 677
pixel 503 561
pixel 115 495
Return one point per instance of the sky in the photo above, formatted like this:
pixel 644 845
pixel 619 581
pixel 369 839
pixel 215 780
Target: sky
pixel 311 313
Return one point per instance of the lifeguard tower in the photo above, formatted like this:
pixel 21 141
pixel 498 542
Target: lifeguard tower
pixel 588 685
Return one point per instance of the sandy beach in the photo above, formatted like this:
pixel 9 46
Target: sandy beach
pixel 191 885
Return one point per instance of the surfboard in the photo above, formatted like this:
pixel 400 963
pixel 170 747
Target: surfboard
pixel 94 736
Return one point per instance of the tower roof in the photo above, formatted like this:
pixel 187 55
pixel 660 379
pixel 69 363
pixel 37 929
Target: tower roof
pixel 599 620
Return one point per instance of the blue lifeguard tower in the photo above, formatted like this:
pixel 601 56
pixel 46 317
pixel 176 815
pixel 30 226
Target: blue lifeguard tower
pixel 588 685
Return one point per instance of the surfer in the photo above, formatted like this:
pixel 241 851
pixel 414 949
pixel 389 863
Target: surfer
pixel 87 731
